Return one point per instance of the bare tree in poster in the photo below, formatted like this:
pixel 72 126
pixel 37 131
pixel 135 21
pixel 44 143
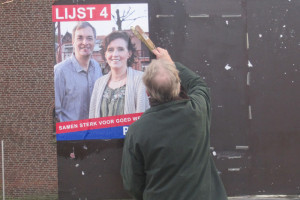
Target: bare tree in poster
pixel 119 19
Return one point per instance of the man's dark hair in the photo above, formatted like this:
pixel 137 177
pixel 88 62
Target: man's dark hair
pixel 81 25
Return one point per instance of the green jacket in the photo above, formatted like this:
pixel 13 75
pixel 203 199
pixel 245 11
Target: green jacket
pixel 166 155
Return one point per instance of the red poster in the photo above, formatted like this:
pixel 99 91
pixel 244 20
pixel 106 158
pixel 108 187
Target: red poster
pixel 97 12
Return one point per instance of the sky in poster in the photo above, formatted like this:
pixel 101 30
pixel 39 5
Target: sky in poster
pixel 105 27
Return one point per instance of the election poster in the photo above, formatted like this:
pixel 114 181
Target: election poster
pixel 98 93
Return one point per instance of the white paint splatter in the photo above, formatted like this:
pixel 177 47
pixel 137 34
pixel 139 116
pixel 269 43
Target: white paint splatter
pixel 214 153
pixel 234 157
pixel 249 64
pixel 260 35
pixel 227 67
pixel 234 169
pixel 72 155
pixel 226 22
pixel 284 26
pixel 292 33
pixel 82 173
pixel 77 165
pixel 281 36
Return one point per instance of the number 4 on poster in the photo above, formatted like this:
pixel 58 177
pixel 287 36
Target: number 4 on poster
pixel 99 12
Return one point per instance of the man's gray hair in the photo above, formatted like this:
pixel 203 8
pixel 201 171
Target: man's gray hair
pixel 162 81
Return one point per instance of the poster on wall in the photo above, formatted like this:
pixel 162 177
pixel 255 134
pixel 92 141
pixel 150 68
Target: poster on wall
pixel 99 92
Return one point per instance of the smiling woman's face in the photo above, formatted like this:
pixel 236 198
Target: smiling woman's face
pixel 117 53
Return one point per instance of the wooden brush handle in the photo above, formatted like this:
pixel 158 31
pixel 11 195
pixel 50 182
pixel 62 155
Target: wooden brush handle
pixel 138 31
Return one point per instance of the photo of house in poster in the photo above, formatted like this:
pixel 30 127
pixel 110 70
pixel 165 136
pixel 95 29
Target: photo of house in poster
pixel 123 16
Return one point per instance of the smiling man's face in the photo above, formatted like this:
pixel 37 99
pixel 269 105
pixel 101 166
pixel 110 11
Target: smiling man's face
pixel 83 42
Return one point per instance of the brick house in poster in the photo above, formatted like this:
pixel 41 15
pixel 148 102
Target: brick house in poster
pixel 65 50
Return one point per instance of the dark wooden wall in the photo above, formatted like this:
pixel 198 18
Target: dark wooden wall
pixel 248 52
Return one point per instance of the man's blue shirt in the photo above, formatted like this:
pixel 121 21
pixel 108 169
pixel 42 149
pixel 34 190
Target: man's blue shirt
pixel 73 88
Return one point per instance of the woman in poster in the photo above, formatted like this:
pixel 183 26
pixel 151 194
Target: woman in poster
pixel 121 91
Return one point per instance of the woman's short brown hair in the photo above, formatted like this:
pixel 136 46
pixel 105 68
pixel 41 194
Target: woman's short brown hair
pixel 116 35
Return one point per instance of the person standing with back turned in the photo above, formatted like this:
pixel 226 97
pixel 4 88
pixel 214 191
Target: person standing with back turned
pixel 166 155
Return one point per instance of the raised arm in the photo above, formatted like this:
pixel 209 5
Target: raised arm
pixel 194 85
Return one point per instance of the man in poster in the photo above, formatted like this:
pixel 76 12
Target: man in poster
pixel 74 78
